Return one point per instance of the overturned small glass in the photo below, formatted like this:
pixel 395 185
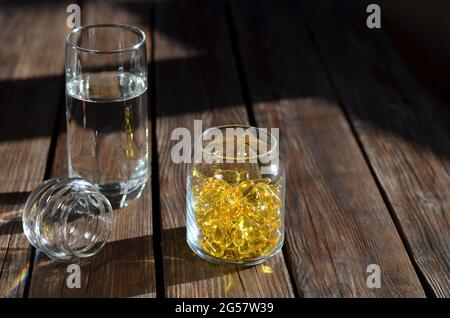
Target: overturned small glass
pixel 67 219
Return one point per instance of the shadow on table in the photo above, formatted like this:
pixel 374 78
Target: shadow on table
pixel 126 268
pixel 277 69
pixel 11 213
pixel 182 265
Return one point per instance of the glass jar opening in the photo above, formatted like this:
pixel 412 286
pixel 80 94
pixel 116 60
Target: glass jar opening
pixel 238 143
pixel 87 224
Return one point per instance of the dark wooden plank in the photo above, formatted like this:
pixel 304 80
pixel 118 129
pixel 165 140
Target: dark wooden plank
pixel 125 267
pixel 31 84
pixel 403 131
pixel 31 70
pixel 337 222
pixel 196 78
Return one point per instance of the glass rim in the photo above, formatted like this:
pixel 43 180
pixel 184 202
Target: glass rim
pixel 274 141
pixel 135 30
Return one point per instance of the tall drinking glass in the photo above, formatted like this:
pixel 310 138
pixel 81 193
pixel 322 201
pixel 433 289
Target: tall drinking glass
pixel 106 109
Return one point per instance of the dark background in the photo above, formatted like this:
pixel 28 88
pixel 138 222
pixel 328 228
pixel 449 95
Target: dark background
pixel 421 30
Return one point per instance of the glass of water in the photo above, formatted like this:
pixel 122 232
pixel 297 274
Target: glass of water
pixel 106 109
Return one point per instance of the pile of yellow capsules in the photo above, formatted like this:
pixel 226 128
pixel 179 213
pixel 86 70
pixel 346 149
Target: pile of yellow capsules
pixel 238 217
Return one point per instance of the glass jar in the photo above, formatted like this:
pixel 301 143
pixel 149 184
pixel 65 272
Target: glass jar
pixel 235 196
pixel 67 219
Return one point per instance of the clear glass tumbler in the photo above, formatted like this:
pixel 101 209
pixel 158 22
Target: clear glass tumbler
pixel 235 196
pixel 106 109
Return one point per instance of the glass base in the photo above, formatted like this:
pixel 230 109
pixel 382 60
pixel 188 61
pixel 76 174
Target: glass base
pixel 218 261
pixel 119 195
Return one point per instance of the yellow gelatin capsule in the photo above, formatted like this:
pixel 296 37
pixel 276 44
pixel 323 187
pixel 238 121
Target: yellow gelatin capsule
pixel 212 248
pixel 219 236
pixel 244 250
pixel 196 191
pixel 267 249
pixel 256 244
pixel 244 187
pixel 243 176
pixel 230 176
pixel 237 217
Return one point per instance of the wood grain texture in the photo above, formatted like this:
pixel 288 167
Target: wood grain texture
pixel 125 267
pixel 337 222
pixel 196 78
pixel 403 131
pixel 31 69
pixel 304 67
pixel 14 249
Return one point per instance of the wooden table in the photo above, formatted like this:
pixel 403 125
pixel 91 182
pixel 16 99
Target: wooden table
pixel 367 150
